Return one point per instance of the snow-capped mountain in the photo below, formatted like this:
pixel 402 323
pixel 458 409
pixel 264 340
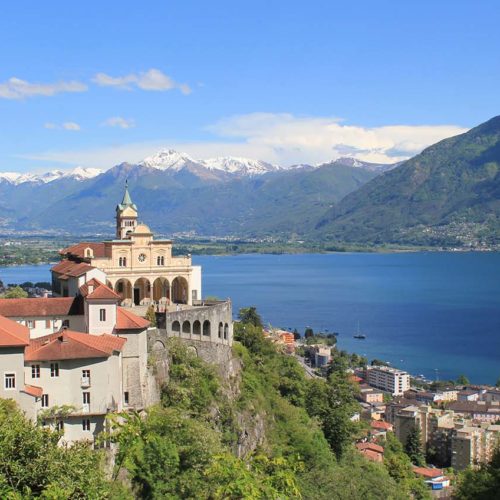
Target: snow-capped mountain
pixel 348 161
pixel 169 159
pixel 240 166
pixel 78 173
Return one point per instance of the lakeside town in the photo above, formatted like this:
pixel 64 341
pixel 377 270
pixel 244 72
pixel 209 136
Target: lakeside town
pixel 456 424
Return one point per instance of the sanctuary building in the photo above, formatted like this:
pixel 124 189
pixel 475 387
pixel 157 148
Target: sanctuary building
pixel 70 360
pixel 139 268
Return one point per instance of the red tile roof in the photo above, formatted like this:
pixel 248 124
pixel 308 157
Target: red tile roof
pixel 13 334
pixel 94 289
pixel 378 424
pixel 33 390
pixel 60 306
pixel 370 446
pixel 427 472
pixel 373 455
pixel 70 268
pixel 126 320
pixel 67 344
pixel 79 249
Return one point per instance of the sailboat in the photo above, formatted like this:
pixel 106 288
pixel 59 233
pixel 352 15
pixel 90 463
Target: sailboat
pixel 359 335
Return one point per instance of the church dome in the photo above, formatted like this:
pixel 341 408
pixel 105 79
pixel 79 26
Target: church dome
pixel 142 229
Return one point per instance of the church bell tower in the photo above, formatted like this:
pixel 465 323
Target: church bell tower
pixel 126 216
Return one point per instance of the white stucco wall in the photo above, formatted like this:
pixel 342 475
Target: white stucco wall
pixel 94 325
pixel 195 283
pixel 40 327
pixel 105 383
pixel 12 361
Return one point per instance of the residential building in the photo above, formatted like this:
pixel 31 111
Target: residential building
pixel 472 446
pixel 434 478
pixel 391 380
pixel 371 451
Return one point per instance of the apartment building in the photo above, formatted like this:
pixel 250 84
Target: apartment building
pixel 388 379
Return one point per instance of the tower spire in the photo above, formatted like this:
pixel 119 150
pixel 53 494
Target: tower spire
pixel 127 200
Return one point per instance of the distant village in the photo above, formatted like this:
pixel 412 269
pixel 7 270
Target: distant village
pixel 458 425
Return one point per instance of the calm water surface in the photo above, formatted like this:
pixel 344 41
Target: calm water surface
pixel 421 311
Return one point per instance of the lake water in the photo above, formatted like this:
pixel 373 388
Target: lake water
pixel 421 311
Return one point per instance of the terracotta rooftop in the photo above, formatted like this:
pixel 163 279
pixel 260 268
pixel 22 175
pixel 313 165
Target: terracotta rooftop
pixel 94 289
pixel 378 424
pixel 78 250
pixel 126 320
pixel 60 306
pixel 13 334
pixel 67 344
pixel 428 472
pixel 370 446
pixel 33 390
pixel 372 455
pixel 71 268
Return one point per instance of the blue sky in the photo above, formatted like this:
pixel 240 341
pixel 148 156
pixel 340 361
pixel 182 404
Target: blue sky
pixel 96 83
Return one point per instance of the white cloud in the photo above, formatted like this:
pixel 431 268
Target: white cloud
pixel 151 80
pixel 15 88
pixel 70 126
pixel 118 121
pixel 283 139
pixel 66 126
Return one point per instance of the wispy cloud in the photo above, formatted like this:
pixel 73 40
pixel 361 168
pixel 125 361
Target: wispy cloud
pixel 118 121
pixel 65 126
pixel 282 139
pixel 151 80
pixel 15 88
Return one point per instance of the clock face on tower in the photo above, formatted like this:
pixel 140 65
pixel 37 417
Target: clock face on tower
pixel 142 257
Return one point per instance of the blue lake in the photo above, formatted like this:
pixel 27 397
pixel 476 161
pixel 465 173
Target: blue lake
pixel 421 311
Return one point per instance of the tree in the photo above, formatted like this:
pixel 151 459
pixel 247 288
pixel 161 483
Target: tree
pixel 250 316
pixel 308 332
pixel 33 465
pixel 413 446
pixel 15 292
pixel 296 336
pixel 463 380
pixel 482 483
pixel 151 315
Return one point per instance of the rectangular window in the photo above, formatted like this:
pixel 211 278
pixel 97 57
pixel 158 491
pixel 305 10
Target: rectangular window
pixel 86 398
pixel 86 374
pixel 102 314
pixel 30 323
pixel 60 425
pixel 54 369
pixel 86 424
pixel 45 400
pixel 125 397
pixel 65 323
pixel 35 371
pixel 9 381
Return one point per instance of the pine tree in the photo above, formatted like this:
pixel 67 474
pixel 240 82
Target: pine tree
pixel 413 446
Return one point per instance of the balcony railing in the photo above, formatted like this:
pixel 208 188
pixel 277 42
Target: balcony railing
pixel 85 382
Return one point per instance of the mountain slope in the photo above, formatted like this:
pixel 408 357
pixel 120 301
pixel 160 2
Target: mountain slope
pixel 448 194
pixel 180 200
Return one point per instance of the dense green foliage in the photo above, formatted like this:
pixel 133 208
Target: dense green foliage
pixel 16 292
pixel 482 483
pixel 413 446
pixel 32 465
pixel 452 187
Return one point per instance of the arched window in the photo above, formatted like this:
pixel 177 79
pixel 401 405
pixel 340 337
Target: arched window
pixel 176 327
pixel 206 328
pixel 220 330
pixel 186 327
pixel 122 261
pixel 226 331
pixel 160 260
pixel 197 327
